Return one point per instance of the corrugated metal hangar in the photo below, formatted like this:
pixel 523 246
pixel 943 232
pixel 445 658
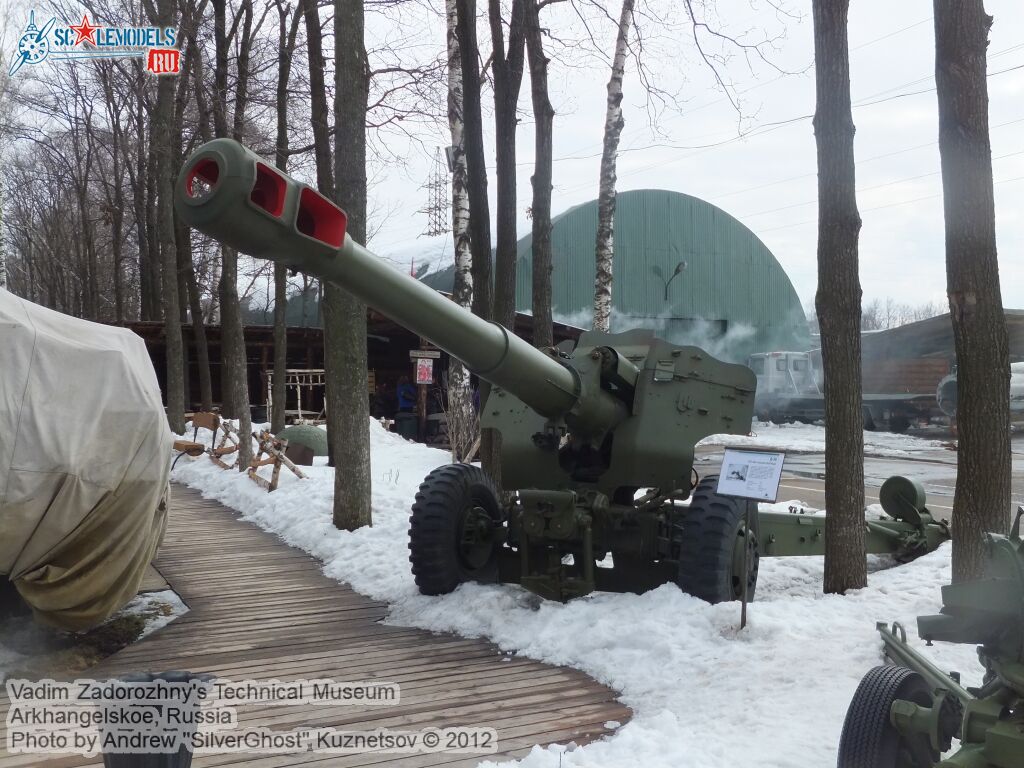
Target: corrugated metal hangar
pixel 682 266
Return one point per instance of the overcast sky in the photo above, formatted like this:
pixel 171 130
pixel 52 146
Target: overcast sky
pixel 767 179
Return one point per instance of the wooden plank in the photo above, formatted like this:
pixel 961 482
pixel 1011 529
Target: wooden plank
pixel 262 610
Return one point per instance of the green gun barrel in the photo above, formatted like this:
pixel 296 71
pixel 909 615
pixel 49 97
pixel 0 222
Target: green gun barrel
pixel 237 198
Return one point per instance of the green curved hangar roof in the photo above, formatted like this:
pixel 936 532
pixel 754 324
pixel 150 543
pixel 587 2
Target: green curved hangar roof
pixel 730 295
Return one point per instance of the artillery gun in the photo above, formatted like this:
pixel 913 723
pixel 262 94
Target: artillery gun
pixel 597 439
pixel 906 715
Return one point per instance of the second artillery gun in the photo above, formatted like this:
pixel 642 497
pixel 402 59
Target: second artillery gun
pixel 598 438
pixel 907 714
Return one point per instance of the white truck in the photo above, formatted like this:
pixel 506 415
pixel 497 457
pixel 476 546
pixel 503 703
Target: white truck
pixel 789 388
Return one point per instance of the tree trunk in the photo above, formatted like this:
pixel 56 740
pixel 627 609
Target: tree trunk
pixel 181 254
pixel 321 152
pixel 982 499
pixel 3 250
pixel 544 116
pixel 479 209
pixel 234 362
pixel 318 101
pixel 476 163
pixel 279 392
pixel 286 42
pixel 137 180
pixel 508 78
pixel 152 234
pixel 165 173
pixel 463 424
pixel 838 301
pixel 234 379
pixel 195 307
pixel 345 317
pixel 199 335
pixel 613 125
pixel 116 235
pixel 192 13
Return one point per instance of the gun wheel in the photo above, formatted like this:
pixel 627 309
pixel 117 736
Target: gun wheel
pixel 869 738
pixel 455 529
pixel 711 535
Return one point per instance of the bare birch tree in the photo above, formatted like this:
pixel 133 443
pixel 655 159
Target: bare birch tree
pixel 613 125
pixel 982 499
pixel 462 419
pixel 714 46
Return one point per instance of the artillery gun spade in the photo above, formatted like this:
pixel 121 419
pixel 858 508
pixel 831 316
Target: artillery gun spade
pixel 907 715
pixel 597 438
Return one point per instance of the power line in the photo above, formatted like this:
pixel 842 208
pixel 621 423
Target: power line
pixel 891 34
pixel 745 216
pixel 878 207
pixel 695 150
pixel 756 131
pixel 748 90
pixel 865 101
pixel 864 161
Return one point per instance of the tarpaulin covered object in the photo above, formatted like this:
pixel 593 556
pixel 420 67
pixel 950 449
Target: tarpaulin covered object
pixel 84 460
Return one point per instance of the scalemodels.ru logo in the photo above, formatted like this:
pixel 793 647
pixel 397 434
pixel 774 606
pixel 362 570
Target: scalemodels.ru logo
pixel 155 45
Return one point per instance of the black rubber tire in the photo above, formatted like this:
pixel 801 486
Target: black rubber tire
pixel 869 739
pixel 707 534
pixel 443 501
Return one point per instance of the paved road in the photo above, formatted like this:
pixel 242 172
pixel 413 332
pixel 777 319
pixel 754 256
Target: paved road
pixel 934 469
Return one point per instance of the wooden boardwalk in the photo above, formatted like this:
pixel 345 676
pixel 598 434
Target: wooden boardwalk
pixel 263 610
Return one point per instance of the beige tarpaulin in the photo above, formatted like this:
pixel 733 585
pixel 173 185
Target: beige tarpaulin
pixel 84 458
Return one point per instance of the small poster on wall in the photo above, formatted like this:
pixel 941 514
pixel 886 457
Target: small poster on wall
pixel 424 370
pixel 751 474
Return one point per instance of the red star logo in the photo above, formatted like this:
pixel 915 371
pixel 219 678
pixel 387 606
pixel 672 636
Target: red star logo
pixel 84 32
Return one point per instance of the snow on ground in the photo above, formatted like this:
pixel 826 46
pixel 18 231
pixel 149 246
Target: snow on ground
pixel 158 609
pixel 703 693
pixel 810 438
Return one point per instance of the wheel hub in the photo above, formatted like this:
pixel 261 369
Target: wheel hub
pixel 476 538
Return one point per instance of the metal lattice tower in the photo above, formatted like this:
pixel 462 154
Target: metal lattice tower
pixel 438 202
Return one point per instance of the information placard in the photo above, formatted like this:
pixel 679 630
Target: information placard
pixel 751 474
